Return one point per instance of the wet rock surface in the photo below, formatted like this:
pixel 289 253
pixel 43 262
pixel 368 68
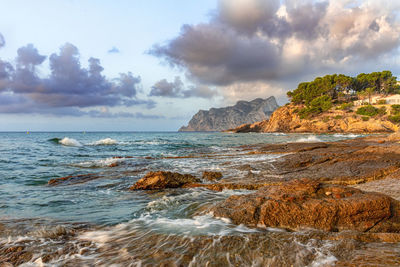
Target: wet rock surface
pixel 163 179
pixel 211 176
pixel 345 162
pixel 309 204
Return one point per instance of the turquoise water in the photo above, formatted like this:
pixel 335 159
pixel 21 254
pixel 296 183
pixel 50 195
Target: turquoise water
pixel 130 222
pixel 28 161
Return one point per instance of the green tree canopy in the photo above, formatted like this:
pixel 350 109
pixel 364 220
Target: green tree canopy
pixel 340 86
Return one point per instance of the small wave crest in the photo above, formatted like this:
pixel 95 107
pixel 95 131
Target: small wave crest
pixel 66 141
pixel 308 139
pixel 104 142
pixel 347 135
pixel 98 163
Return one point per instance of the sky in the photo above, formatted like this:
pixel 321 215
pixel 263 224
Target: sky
pixel 96 65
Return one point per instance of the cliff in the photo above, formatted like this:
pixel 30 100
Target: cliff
pixel 286 119
pixel 218 119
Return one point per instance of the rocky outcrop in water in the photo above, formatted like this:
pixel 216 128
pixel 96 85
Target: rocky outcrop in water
pixel 219 119
pixel 211 176
pixel 286 119
pixel 162 179
pixel 309 204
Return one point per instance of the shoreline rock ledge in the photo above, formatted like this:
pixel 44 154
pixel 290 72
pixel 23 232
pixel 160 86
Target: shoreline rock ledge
pixel 306 203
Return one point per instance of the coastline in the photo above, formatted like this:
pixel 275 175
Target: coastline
pixel 357 163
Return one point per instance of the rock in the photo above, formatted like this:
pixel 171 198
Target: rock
pixel 14 255
pixel 229 186
pixel 211 176
pixel 394 137
pixel 286 119
pixel 305 203
pixel 219 119
pixel 73 179
pixel 163 179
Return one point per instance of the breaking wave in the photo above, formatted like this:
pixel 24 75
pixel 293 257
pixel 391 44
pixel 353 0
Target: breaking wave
pixel 308 139
pixel 66 141
pixel 105 141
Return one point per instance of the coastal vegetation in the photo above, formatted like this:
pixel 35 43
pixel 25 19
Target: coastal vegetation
pixel 339 92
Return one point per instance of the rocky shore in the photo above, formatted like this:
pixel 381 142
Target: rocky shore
pixel 345 193
pixel 310 187
pixel 286 119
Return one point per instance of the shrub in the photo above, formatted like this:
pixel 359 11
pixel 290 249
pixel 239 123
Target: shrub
pixel 382 111
pixel 338 117
pixel 364 118
pixel 395 109
pixel 381 102
pixel 345 106
pixel 367 111
pixel 325 119
pixel 394 118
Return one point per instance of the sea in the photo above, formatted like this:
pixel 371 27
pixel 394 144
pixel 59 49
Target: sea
pixel 100 222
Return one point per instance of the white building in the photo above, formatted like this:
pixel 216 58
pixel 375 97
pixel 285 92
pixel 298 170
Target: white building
pixel 390 100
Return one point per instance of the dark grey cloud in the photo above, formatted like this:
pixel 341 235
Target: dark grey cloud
pixel 214 54
pixel 113 50
pixel 274 41
pixel 176 89
pixel 68 88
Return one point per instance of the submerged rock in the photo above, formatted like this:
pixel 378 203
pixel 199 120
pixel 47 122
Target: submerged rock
pixel 211 176
pixel 163 179
pixel 73 179
pixel 309 204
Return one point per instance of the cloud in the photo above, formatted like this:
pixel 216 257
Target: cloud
pixel 68 88
pixel 113 50
pixel 175 89
pixel 2 41
pixel 167 89
pixel 272 41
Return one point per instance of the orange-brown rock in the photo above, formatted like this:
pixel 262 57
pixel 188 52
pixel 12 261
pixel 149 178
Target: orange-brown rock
pixel 286 119
pixel 163 179
pixel 306 203
pixel 211 176
pixel 229 186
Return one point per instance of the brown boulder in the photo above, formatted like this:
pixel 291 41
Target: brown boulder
pixel 163 179
pixel 309 204
pixel 211 176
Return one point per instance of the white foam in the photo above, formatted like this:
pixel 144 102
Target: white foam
pixel 308 139
pixel 323 260
pixel 105 141
pixel 347 135
pixel 98 163
pixel 66 141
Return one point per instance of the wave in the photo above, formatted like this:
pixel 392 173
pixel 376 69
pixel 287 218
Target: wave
pixel 66 141
pixel 308 139
pixel 348 135
pixel 105 141
pixel 98 163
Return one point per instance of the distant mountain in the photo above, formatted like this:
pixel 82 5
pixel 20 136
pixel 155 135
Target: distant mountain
pixel 219 119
